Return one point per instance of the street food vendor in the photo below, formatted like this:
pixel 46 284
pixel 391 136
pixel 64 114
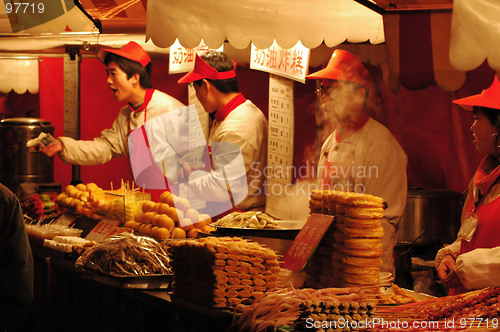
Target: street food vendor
pixel 361 155
pixel 473 260
pixel 129 72
pixel 235 122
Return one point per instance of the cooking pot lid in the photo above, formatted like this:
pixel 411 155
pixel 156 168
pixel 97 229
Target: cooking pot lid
pixel 421 192
pixel 24 121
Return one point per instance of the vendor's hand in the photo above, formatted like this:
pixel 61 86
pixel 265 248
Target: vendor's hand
pixel 186 170
pixel 53 148
pixel 446 272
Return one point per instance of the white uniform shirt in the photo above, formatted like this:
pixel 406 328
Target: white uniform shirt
pixel 245 126
pixel 113 142
pixel 371 161
pixel 480 267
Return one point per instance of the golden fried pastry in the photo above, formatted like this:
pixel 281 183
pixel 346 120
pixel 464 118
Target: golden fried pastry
pixel 364 212
pixel 363 232
pixel 362 223
pixel 358 199
pixel 351 269
pixel 361 279
pixel 357 243
pixel 317 195
pixel 362 261
pixel 373 252
pixel 316 205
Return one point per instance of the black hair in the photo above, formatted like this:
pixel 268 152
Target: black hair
pixel 221 62
pixel 493 115
pixel 131 67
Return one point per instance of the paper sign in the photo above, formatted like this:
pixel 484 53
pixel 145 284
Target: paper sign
pixel 104 229
pixel 306 242
pixel 280 147
pixel 291 63
pixel 181 59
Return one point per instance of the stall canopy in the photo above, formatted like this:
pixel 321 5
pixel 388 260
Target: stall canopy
pixel 261 22
pixel 475 34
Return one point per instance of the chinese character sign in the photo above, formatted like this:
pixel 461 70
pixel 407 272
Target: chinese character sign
pixel 182 59
pixel 291 63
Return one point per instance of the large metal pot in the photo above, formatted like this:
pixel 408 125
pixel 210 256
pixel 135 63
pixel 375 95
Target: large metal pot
pixel 18 164
pixel 431 215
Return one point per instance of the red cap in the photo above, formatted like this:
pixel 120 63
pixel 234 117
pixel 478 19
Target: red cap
pixel 203 70
pixel 487 98
pixel 132 51
pixel 343 66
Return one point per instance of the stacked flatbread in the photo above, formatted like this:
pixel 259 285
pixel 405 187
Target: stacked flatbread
pixel 222 271
pixel 318 202
pixel 350 252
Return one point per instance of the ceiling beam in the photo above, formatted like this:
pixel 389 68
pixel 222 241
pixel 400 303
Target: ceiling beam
pixel 392 6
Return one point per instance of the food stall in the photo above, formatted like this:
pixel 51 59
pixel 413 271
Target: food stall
pixel 417 109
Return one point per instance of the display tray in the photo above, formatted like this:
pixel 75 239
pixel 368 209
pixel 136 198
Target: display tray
pixel 263 232
pixel 287 229
pixel 153 281
pixel 419 297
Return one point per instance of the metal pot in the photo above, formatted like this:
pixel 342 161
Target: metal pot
pixel 431 215
pixel 18 164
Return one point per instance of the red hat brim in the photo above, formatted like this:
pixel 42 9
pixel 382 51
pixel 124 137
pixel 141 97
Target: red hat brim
pixel 203 70
pixel 131 51
pixel 487 98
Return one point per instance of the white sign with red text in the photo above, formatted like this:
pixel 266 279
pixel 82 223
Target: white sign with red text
pixel 182 59
pixel 290 63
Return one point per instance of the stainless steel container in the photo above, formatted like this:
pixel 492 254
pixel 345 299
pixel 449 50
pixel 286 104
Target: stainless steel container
pixel 18 164
pixel 432 214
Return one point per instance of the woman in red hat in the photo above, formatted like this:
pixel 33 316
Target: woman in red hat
pixel 129 77
pixel 473 260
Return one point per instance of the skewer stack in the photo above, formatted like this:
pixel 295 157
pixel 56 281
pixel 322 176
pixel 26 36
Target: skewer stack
pixel 223 271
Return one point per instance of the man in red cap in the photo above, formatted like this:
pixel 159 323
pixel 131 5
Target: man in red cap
pixel 129 77
pixel 473 260
pixel 361 155
pixel 236 122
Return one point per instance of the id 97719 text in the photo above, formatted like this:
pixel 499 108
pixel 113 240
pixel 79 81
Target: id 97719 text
pixel 24 8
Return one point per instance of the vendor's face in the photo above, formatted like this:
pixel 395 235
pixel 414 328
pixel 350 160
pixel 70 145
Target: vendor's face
pixel 118 82
pixel 484 133
pixel 202 90
pixel 341 100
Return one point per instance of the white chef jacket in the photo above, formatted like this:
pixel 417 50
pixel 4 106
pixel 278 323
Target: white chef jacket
pixel 480 267
pixel 246 127
pixel 371 161
pixel 113 142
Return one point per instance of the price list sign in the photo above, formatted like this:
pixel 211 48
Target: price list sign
pixel 280 146
pixel 104 229
pixel 306 242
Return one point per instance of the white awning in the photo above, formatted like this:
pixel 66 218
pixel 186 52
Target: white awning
pixel 261 22
pixel 20 75
pixel 475 34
